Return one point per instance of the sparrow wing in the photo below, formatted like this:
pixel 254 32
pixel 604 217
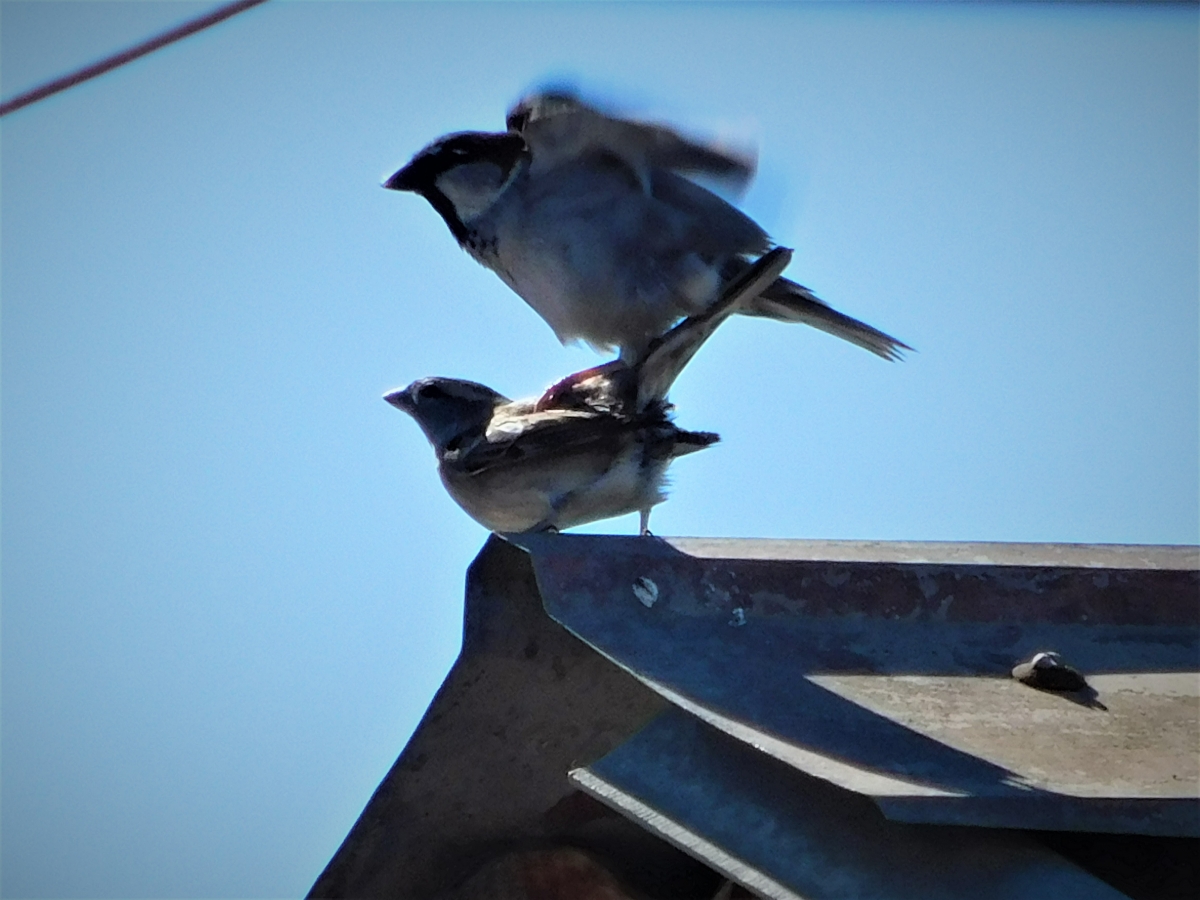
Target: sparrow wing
pixel 546 441
pixel 537 437
pixel 716 228
pixel 669 354
pixel 558 125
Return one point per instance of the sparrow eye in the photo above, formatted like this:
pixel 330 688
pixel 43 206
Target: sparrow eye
pixel 432 392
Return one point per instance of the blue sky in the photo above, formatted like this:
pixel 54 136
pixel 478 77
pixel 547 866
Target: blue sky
pixel 231 580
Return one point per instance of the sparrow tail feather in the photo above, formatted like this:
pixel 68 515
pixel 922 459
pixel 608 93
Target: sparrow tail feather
pixel 790 302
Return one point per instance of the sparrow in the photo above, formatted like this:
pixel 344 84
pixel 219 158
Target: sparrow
pixel 590 219
pixel 594 446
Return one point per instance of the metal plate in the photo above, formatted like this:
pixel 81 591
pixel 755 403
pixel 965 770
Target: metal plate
pixel 884 668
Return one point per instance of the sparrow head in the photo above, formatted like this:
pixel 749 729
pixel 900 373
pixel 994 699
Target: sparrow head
pixel 462 174
pixel 447 409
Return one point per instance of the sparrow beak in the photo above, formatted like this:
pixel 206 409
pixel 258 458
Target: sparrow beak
pixel 400 399
pixel 402 180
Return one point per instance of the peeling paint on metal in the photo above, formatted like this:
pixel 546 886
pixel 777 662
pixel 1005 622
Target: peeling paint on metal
pixel 646 591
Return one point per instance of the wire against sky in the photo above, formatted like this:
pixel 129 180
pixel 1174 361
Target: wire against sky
pixel 119 59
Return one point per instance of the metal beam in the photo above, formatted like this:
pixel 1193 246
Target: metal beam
pixel 788 836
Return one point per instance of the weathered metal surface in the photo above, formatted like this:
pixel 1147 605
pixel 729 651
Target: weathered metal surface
pixel 884 668
pixel 485 773
pixel 1082 556
pixel 789 836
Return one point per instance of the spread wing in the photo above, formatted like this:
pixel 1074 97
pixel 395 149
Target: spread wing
pixel 558 125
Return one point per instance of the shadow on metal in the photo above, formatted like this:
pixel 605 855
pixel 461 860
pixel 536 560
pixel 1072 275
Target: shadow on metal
pixel 886 670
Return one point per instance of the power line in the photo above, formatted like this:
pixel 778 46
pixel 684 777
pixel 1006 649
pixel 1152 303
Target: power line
pixel 119 59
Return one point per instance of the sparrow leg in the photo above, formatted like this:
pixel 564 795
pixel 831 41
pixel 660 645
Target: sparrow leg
pixel 547 525
pixel 644 527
